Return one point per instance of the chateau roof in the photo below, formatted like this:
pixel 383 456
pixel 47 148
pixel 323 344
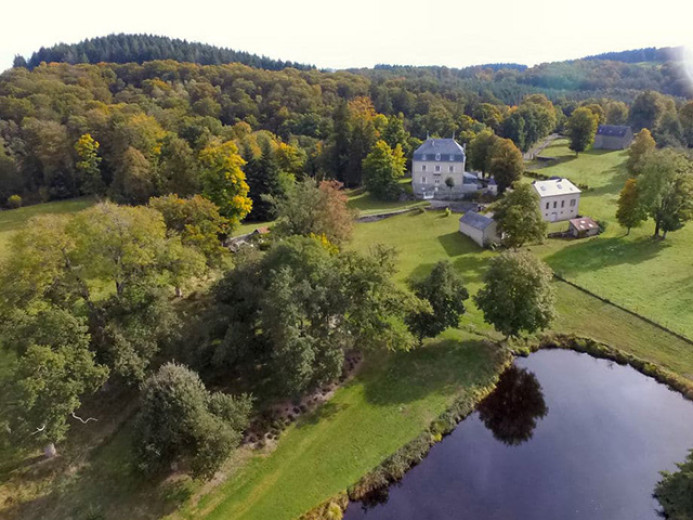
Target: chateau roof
pixel 443 147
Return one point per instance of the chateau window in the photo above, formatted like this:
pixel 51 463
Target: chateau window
pixel 437 181
pixel 572 202
pixel 563 204
pixel 423 180
pixel 423 167
pixel 555 204
pixel 437 157
pixel 452 157
pixel 452 169
pixel 437 168
pixel 547 205
pixel 423 157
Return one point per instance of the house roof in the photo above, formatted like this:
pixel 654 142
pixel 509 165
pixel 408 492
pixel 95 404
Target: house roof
pixel 583 223
pixel 476 220
pixel 554 187
pixel 613 130
pixel 445 147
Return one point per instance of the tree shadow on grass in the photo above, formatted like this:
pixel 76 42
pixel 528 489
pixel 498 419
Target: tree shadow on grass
pixel 323 412
pixel 441 366
pixel 470 267
pixel 596 253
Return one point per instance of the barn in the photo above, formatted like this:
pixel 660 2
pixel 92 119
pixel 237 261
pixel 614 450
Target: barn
pixel 480 228
pixel 613 137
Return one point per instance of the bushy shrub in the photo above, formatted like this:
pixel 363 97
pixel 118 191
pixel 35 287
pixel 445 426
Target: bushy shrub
pixel 14 201
pixel 448 212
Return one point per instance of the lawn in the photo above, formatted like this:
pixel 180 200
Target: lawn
pixel 13 219
pixel 650 277
pixel 390 402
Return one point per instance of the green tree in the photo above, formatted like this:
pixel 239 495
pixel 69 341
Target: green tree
pixel 686 118
pixel 480 150
pixel 506 164
pixel 675 491
pixel 223 181
pixel 54 372
pixel 581 129
pixel 444 290
pixel 616 113
pixel 88 162
pixel 517 294
pixel 181 421
pixel 134 179
pixel 382 169
pixel 519 217
pixel 666 188
pixel 178 169
pixel 197 221
pixel 643 144
pixel 630 212
pixel 648 108
pixel 310 209
pixel 395 134
pixel 264 180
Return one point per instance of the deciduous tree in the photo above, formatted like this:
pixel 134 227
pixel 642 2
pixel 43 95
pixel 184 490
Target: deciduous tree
pixel 642 145
pixel 581 129
pixel 517 294
pixel 480 150
pixel 666 187
pixel 506 164
pixel 444 291
pixel 631 212
pixel 382 169
pixel 87 165
pixel 519 217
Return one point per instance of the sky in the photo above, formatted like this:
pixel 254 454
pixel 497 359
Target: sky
pixel 362 33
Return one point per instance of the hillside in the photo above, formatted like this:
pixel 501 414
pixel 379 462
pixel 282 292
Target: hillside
pixel 140 48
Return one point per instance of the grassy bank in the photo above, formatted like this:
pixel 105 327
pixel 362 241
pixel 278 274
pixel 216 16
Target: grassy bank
pixel 388 404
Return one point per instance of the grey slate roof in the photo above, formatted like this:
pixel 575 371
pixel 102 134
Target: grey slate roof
pixel 445 147
pixel 475 220
pixel 613 130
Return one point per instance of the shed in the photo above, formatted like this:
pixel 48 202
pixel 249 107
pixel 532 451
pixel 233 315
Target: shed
pixel 583 227
pixel 613 137
pixel 480 228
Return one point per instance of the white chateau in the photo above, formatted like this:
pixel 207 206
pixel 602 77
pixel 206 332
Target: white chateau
pixel 559 199
pixel 436 161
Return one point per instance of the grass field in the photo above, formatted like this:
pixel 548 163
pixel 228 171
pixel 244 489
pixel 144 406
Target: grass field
pixel 653 278
pixel 13 219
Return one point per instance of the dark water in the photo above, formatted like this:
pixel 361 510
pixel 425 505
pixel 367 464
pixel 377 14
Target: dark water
pixel 567 437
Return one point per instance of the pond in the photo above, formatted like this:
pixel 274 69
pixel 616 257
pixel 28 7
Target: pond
pixel 564 436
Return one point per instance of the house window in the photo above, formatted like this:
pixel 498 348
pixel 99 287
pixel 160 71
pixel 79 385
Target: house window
pixel 423 167
pixel 547 205
pixel 423 180
pixel 572 202
pixel 555 203
pixel 437 157
pixel 437 168
pixel 563 204
pixel 451 169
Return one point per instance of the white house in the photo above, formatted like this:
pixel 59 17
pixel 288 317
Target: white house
pixel 480 228
pixel 438 170
pixel 559 199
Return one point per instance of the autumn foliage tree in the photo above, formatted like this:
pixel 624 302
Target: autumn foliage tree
pixel 630 212
pixel 642 145
pixel 223 181
pixel 506 163
pixel 382 169
pixel 87 165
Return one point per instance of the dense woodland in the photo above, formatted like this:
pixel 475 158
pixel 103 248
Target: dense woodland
pixel 150 122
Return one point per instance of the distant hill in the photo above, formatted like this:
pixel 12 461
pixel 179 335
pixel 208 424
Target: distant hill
pixel 139 48
pixel 649 54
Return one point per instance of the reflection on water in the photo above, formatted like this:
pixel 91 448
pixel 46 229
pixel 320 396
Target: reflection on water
pixel 595 456
pixel 511 411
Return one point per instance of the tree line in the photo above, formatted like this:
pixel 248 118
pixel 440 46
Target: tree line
pixel 139 48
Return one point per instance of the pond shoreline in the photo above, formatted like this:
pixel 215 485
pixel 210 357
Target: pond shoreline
pixel 394 467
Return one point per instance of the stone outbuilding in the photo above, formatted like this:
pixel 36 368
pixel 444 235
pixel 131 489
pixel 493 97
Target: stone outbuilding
pixel 583 227
pixel 612 137
pixel 481 229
